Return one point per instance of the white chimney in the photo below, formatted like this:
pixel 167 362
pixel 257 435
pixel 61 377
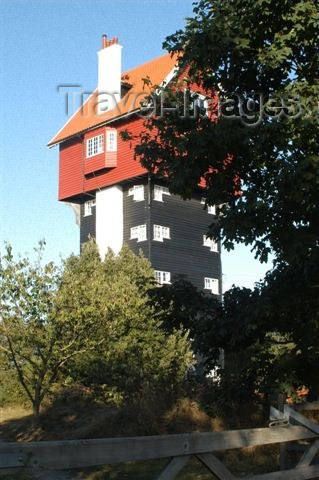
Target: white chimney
pixel 109 75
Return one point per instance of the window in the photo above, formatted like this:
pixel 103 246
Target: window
pixel 137 192
pixel 161 232
pixel 159 191
pixel 210 208
pixel 88 207
pixel 212 285
pixel 138 233
pixel 162 277
pixel 95 145
pixel 209 242
pixel 111 141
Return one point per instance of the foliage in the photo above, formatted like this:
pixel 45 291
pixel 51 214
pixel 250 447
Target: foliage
pixel 260 165
pixel 275 348
pixel 135 359
pixel 250 48
pixel 181 304
pixel 11 390
pixel 37 334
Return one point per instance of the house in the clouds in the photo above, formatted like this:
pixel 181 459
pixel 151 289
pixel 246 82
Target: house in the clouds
pixel 118 201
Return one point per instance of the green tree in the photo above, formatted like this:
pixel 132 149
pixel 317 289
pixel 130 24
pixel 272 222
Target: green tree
pixel 35 335
pixel 182 305
pixel 260 167
pixel 250 48
pixel 136 359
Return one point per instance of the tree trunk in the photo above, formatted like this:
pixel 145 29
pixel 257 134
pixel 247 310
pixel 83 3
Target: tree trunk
pixel 36 409
pixel 37 401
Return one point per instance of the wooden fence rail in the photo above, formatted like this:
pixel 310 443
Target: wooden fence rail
pixel 62 455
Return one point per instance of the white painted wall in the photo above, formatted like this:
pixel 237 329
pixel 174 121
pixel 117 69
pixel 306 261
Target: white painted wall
pixel 77 211
pixel 109 219
pixel 109 77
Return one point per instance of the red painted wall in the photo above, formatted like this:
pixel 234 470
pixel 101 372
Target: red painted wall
pixel 78 174
pixel 70 168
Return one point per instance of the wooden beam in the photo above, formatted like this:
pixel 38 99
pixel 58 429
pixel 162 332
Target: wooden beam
pixel 301 407
pixel 302 473
pixel 301 419
pixel 173 468
pixel 215 466
pixel 309 455
pixel 60 455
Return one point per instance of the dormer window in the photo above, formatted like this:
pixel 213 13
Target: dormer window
pixel 94 146
pixel 111 141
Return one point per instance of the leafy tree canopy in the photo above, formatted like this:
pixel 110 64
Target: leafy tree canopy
pixel 259 162
pixel 135 358
pixel 37 337
pixel 260 49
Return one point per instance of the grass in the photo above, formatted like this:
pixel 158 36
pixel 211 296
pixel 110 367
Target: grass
pixel 71 418
pixel 14 413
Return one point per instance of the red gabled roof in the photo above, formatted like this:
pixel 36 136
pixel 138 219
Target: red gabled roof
pixel 157 70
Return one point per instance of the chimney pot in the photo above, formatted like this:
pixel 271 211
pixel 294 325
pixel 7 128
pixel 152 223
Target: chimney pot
pixel 104 41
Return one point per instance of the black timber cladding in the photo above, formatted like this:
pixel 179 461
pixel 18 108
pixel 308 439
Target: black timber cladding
pixel 184 253
pixel 87 225
pixel 136 213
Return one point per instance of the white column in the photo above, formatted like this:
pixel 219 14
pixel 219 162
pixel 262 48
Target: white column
pixel 109 219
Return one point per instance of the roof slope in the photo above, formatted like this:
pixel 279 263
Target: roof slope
pixel 86 118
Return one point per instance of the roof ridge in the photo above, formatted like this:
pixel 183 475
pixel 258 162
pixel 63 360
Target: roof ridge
pixel 147 62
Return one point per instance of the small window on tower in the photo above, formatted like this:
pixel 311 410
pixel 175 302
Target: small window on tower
pixel 111 141
pixel 88 207
pixel 159 191
pixel 212 285
pixel 209 242
pixel 162 277
pixel 138 233
pixel 95 145
pixel 161 232
pixel 137 192
pixel 210 208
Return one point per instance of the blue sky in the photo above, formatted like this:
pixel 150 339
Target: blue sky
pixel 44 44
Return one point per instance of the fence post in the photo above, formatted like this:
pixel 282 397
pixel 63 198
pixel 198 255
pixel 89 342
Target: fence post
pixel 283 446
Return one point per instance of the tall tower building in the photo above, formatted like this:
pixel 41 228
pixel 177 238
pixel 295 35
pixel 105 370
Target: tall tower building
pixel 116 200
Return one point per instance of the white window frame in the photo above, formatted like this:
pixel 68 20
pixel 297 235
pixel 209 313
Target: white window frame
pixel 162 278
pixel 88 205
pixel 111 140
pixel 160 233
pixel 137 192
pixel 159 191
pixel 211 209
pixel 211 243
pixel 94 146
pixel 139 233
pixel 211 284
